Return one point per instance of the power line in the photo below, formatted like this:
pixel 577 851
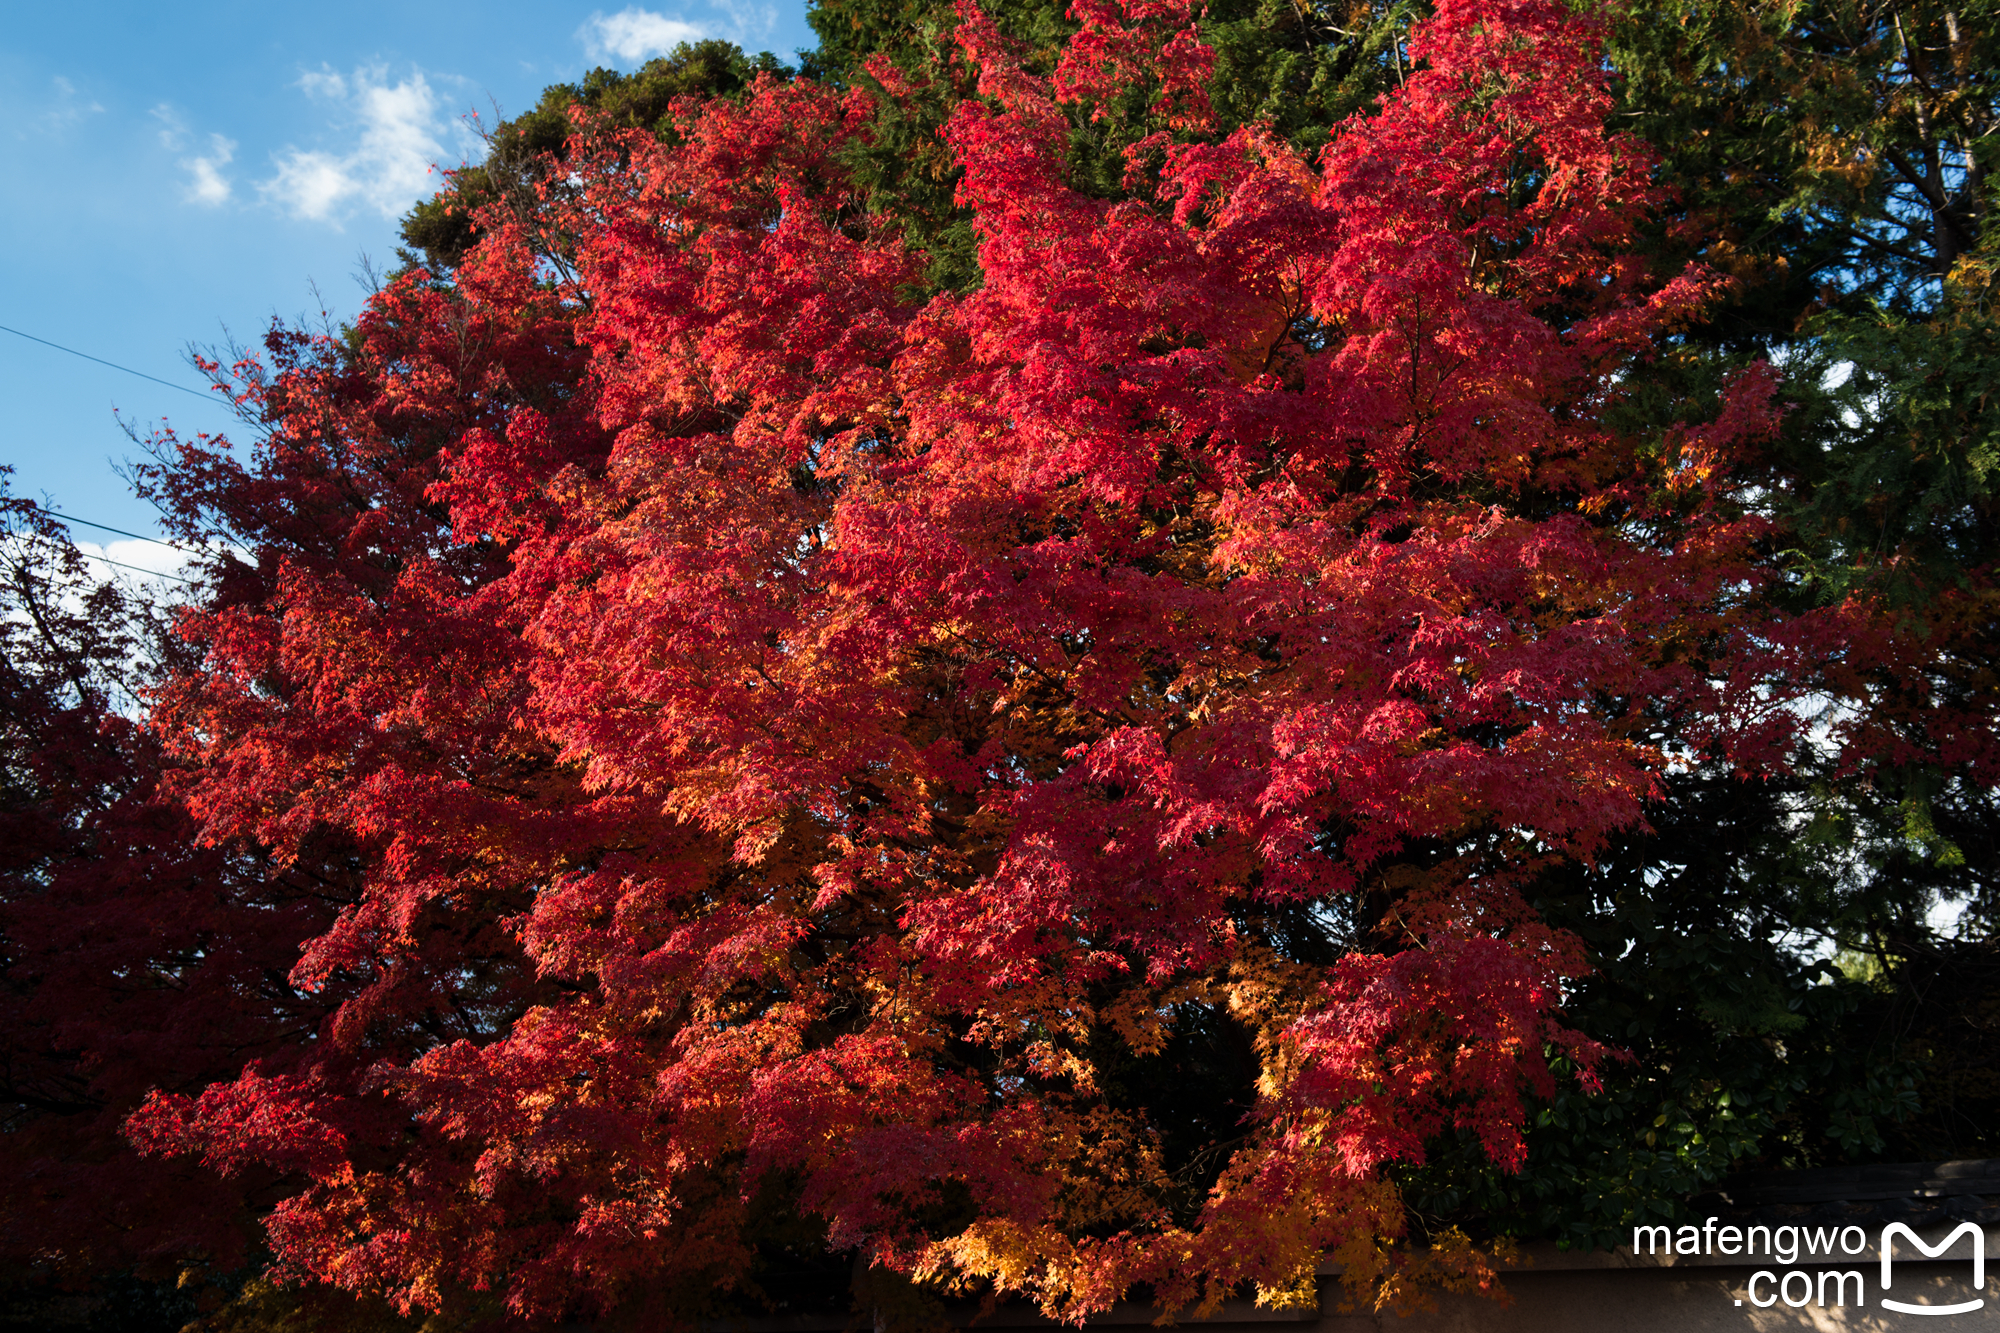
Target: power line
pixel 104 527
pixel 103 559
pixel 136 569
pixel 206 398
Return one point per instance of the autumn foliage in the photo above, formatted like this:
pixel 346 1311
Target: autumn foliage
pixel 752 728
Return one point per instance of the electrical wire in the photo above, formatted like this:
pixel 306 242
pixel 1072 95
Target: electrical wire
pixel 136 569
pixel 206 398
pixel 101 559
pixel 104 527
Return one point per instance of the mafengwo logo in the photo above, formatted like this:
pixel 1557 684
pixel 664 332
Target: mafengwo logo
pixel 1972 1229
pixel 1824 1286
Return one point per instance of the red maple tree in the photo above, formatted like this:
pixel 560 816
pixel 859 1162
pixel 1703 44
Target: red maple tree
pixel 133 960
pixel 763 727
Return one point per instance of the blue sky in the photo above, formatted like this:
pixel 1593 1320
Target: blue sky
pixel 181 174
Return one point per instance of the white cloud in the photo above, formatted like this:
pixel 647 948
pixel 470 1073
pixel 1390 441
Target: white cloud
pixel 326 82
pixel 149 561
pixel 748 23
pixel 388 167
pixel 173 130
pixel 209 185
pixel 66 108
pixel 206 184
pixel 631 35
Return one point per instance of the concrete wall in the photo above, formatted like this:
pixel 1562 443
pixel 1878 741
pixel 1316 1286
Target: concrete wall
pixel 1692 1299
pixel 1553 1291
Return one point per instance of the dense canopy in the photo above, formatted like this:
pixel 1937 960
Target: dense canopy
pixel 1123 733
